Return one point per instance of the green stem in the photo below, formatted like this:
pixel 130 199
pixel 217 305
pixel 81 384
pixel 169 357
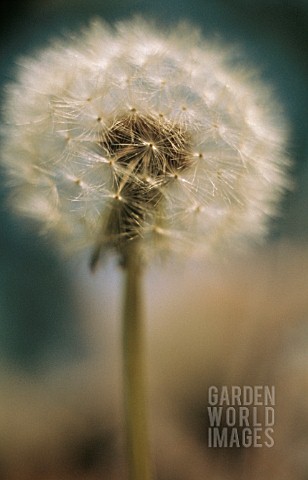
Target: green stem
pixel 133 369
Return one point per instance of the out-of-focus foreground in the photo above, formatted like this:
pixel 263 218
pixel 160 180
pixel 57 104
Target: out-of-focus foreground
pixel 241 324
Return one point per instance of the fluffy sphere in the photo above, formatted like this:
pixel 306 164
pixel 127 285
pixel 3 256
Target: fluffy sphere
pixel 131 133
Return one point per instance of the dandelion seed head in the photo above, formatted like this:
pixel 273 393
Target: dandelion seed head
pixel 132 133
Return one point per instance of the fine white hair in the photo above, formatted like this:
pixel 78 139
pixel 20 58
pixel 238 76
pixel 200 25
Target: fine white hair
pixel 208 135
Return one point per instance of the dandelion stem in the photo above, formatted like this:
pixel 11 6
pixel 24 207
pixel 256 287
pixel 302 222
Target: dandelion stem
pixel 134 380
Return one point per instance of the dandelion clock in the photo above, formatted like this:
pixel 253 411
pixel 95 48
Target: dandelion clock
pixel 142 143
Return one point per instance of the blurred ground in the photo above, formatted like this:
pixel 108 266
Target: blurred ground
pixel 244 324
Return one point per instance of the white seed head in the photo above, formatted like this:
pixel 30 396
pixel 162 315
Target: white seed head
pixel 133 133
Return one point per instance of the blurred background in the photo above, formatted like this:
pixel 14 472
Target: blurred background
pixel 244 323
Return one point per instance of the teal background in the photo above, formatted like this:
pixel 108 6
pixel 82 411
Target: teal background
pixel 37 309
